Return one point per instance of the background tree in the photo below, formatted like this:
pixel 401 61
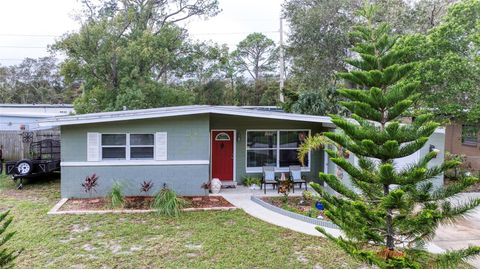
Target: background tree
pixel 129 50
pixel 256 56
pixel 318 40
pixel 448 63
pixel 393 211
pixel 32 81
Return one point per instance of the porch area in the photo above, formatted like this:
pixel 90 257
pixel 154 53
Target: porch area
pixel 242 190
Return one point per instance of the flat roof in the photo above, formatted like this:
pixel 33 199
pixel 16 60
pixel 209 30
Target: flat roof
pixel 179 111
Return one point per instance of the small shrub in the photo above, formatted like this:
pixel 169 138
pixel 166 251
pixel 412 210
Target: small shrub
pixel 146 186
pixel 90 183
pixel 284 188
pixel 116 196
pixel 249 181
pixel 168 203
pixel 460 171
pixel 6 256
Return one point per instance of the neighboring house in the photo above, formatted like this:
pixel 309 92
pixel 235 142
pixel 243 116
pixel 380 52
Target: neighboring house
pixel 183 147
pixel 21 117
pixel 20 120
pixel 463 139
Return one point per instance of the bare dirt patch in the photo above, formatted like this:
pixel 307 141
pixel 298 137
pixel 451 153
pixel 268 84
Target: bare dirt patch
pixel 142 203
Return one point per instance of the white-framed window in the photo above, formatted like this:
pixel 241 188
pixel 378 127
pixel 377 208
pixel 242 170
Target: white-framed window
pixel 278 148
pixel 127 146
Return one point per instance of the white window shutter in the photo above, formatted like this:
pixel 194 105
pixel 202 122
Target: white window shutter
pixel 160 146
pixel 93 147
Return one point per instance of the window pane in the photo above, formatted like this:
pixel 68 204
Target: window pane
pixel 141 139
pixel 114 139
pixel 262 139
pixel 259 158
pixel 290 157
pixel 292 139
pixel 141 153
pixel 469 134
pixel 113 153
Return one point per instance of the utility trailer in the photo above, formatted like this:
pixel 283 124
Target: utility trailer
pixel 44 159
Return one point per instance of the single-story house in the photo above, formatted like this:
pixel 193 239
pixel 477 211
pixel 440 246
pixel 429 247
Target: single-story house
pixel 20 120
pixel 183 147
pixel 24 117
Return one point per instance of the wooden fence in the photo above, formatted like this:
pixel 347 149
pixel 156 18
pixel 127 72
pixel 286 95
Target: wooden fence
pixel 15 145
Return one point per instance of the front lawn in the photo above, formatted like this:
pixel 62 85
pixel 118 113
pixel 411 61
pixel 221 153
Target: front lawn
pixel 227 239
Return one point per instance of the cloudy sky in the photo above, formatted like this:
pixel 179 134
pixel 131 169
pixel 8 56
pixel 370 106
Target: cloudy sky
pixel 28 26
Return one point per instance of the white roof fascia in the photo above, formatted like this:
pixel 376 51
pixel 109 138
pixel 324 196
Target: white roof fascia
pixel 177 111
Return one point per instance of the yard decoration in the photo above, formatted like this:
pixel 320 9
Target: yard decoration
pixel 90 183
pixel 7 256
pixel 385 226
pixel 215 185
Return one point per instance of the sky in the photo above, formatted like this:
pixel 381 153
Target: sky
pixel 27 27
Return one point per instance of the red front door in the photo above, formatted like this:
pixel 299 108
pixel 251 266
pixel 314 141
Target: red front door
pixel 222 155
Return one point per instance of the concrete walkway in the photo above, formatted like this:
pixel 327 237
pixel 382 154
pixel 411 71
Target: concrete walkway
pixel 240 197
pixel 465 232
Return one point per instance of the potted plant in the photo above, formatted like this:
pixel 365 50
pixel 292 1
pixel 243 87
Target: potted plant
pixel 252 182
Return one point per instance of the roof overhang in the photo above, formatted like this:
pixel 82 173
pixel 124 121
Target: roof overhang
pixel 179 111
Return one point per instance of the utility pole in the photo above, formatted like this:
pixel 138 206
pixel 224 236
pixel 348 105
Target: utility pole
pixel 282 63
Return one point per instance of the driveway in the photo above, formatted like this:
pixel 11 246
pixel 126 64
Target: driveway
pixel 463 233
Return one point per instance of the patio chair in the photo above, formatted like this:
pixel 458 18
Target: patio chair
pixel 268 178
pixel 296 176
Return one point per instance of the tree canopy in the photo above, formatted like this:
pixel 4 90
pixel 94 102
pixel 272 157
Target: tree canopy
pixel 319 41
pixel 391 211
pixel 127 52
pixel 448 64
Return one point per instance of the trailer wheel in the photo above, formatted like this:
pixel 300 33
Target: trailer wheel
pixel 24 167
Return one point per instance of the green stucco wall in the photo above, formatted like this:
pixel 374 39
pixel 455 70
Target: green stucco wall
pixel 242 124
pixel 187 139
pixel 437 139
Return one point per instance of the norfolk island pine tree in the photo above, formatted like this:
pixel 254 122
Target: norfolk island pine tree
pixel 394 211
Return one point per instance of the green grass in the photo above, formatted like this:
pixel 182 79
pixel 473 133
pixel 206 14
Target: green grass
pixel 227 239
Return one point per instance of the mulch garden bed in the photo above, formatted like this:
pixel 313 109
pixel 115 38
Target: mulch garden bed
pixel 143 203
pixel 297 205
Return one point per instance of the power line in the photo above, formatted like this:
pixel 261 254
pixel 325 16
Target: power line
pixel 23 47
pixel 235 33
pixel 29 35
pixel 221 33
